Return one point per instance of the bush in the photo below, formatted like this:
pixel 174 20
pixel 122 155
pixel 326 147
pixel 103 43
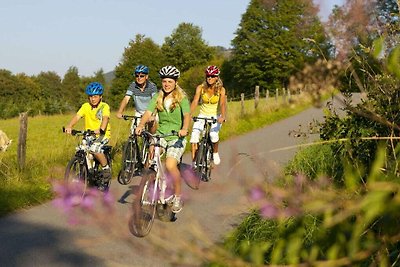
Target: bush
pixel 314 161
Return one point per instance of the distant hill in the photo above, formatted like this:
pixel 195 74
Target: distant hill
pixel 109 76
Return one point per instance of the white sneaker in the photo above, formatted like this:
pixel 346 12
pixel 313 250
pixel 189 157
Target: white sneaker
pixel 177 204
pixel 217 159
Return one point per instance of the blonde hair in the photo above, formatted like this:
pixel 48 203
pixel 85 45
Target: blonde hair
pixel 217 86
pixel 177 95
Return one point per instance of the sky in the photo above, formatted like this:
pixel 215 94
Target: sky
pixel 53 35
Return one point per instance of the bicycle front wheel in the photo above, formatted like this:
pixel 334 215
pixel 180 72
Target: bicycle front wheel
pixel 129 162
pixel 201 162
pixel 144 205
pixel 77 173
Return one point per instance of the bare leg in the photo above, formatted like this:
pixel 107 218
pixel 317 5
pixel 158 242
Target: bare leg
pixel 194 150
pixel 101 158
pixel 215 147
pixel 171 165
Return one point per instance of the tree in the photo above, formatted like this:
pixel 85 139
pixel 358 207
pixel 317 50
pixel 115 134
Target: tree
pixel 185 47
pixel 51 96
pixel 72 88
pixel 274 40
pixel 18 93
pixel 142 50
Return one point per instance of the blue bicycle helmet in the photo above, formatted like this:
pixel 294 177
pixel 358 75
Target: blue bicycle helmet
pixel 94 88
pixel 142 69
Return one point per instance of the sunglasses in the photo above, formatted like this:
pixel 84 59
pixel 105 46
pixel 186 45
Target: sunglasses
pixel 212 76
pixel 140 75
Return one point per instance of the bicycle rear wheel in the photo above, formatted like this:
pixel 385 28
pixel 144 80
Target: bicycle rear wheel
pixel 129 162
pixel 144 205
pixel 77 173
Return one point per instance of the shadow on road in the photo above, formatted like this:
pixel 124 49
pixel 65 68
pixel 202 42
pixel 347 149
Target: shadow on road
pixel 23 244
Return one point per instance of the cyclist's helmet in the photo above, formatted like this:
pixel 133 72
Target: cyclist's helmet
pixel 169 72
pixel 142 69
pixel 94 88
pixel 212 71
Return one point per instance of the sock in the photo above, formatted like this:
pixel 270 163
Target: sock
pixel 105 167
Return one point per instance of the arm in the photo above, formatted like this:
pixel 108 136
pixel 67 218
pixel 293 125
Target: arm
pixel 122 106
pixel 196 99
pixel 222 105
pixel 145 118
pixel 71 124
pixel 103 125
pixel 185 126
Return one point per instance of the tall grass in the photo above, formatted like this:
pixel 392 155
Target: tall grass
pixel 48 149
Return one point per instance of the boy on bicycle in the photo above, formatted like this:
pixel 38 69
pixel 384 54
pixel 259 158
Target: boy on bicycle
pixel 97 115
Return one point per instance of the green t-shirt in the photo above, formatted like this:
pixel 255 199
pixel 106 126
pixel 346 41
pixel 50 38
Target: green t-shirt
pixel 170 120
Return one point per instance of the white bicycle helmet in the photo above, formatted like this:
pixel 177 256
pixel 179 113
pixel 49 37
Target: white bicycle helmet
pixel 169 72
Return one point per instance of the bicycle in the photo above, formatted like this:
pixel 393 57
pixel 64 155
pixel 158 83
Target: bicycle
pixel 151 197
pixel 83 166
pixel 204 154
pixel 134 155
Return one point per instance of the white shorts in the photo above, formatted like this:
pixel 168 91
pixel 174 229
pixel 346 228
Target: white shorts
pixel 198 127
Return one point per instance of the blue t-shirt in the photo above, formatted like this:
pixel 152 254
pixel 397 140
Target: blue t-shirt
pixel 141 98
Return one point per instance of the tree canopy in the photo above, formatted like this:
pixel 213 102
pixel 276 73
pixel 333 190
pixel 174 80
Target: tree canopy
pixel 185 48
pixel 274 40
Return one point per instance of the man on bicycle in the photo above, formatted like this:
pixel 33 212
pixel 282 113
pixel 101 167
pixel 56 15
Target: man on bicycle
pixel 141 90
pixel 97 115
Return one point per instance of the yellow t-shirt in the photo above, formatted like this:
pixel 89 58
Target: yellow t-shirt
pixel 210 104
pixel 94 116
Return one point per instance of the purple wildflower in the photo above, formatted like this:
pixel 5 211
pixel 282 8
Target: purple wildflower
pixel 269 210
pixel 257 193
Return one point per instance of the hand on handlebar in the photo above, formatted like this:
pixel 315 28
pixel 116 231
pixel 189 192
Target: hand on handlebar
pixel 221 120
pixel 138 129
pixel 119 115
pixel 67 130
pixel 182 132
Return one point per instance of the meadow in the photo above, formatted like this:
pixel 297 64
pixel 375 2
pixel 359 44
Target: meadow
pixel 49 149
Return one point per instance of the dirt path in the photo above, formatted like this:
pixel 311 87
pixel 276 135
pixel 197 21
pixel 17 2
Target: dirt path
pixel 41 237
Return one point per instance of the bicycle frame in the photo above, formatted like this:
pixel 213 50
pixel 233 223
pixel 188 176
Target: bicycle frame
pixel 160 179
pixel 151 193
pixel 134 157
pixel 204 153
pixel 86 160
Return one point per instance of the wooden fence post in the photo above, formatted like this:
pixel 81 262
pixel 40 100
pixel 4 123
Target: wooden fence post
pixel 256 96
pixel 276 94
pixel 284 94
pixel 23 129
pixel 267 95
pixel 242 103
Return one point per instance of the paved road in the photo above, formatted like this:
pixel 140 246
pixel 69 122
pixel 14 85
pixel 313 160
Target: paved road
pixel 41 236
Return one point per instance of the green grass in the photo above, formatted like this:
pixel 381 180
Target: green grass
pixel 48 149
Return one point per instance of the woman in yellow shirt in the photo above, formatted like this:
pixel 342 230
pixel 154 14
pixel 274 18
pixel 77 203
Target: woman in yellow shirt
pixel 212 94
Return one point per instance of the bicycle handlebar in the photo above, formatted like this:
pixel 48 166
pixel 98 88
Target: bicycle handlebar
pixel 212 119
pixel 77 132
pixel 127 117
pixel 158 136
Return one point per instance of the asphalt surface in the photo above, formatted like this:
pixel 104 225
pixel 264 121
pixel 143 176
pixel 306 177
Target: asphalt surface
pixel 41 236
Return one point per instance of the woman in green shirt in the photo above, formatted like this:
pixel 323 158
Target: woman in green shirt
pixel 173 109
